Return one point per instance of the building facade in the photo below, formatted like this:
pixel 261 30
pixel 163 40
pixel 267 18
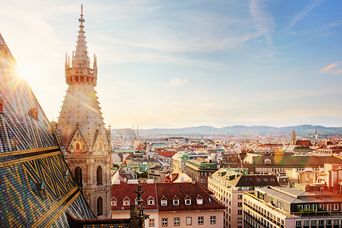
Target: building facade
pixel 81 131
pixel 291 208
pixel 229 186
pixel 170 205
pixel 199 171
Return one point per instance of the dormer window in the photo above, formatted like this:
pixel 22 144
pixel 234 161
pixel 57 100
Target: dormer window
pixel 199 200
pixel 187 201
pixel 175 201
pixel 267 161
pixel 126 202
pixel 113 202
pixel 163 201
pixel 41 189
pixel 33 112
pixel 150 201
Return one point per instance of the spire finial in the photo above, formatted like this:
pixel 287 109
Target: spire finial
pixel 81 20
pixel 81 54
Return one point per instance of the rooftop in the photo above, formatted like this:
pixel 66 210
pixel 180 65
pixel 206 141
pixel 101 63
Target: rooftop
pixel 292 195
pixel 239 178
pixel 168 192
pixel 293 161
pixel 202 164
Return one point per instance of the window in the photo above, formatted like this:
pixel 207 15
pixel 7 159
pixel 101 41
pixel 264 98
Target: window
pixel 113 202
pixel 99 206
pixel 212 220
pixel 187 201
pixel 240 204
pixel 313 222
pixel 176 221
pixel 199 200
pixel 165 222
pixel 200 220
pixel 314 207
pixel 239 220
pixel 335 207
pixel 150 201
pixel 99 175
pixel 151 223
pixel 78 176
pixel 188 221
pixel 175 201
pixel 126 202
pixel 163 202
pixel 239 212
pixel 328 207
pixel 77 146
pixel 239 196
pixel 299 223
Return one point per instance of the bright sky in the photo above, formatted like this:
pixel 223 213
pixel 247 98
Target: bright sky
pixel 188 62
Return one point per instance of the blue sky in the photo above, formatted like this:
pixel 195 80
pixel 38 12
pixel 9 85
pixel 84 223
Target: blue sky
pixel 187 63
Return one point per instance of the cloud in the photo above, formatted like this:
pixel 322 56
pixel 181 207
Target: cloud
pixel 300 15
pixel 332 68
pixel 263 21
pixel 177 82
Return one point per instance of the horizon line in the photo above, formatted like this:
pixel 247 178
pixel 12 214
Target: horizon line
pixel 236 125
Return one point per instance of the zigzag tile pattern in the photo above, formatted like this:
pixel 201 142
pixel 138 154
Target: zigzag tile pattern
pixel 36 186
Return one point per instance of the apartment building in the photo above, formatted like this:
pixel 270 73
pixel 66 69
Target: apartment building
pixel 287 207
pixel 229 186
pixel 169 204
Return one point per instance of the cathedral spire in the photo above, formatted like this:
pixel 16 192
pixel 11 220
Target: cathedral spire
pixel 81 53
pixel 80 72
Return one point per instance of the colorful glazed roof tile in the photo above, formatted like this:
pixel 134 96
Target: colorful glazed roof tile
pixel 36 187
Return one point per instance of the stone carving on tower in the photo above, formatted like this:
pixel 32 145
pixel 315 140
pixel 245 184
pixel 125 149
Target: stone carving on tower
pixel 81 131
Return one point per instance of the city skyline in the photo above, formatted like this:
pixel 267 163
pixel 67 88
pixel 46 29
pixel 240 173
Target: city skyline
pixel 165 64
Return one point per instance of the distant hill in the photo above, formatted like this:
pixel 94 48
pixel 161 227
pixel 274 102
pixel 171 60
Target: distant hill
pixel 238 130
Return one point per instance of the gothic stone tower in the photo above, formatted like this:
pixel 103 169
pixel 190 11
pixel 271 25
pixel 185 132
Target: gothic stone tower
pixel 81 131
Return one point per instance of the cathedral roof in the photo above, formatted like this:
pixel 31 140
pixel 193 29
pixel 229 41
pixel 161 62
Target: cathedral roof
pixel 37 188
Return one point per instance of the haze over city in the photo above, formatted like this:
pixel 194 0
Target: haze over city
pixel 156 113
pixel 188 63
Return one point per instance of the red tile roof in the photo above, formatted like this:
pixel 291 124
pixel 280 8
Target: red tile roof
pixel 168 191
pixel 123 190
pixel 167 153
pixel 303 142
pixel 182 191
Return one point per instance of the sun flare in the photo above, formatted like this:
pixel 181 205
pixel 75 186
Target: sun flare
pixel 26 72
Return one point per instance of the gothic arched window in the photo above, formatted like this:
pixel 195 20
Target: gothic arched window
pixel 99 175
pixel 77 146
pixel 78 176
pixel 1 105
pixel 99 206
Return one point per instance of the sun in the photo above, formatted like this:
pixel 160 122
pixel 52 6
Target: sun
pixel 26 72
